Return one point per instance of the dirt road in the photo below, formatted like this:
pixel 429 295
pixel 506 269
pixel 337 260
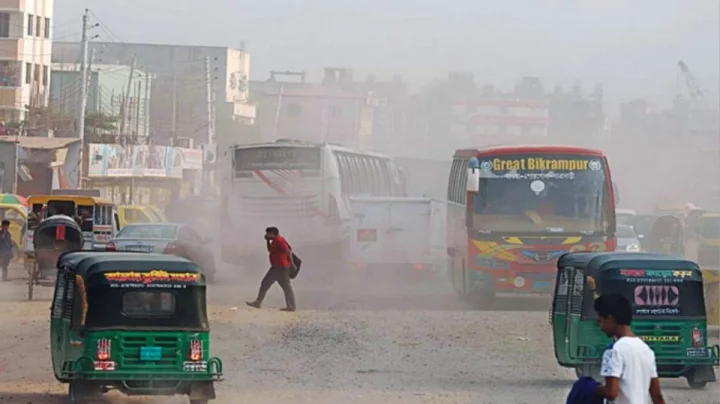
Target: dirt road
pixel 379 344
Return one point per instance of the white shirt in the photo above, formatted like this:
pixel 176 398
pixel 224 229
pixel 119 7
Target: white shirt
pixel 633 362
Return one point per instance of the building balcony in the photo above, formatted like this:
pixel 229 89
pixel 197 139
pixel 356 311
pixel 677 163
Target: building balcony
pixel 11 48
pixel 11 98
pixel 12 5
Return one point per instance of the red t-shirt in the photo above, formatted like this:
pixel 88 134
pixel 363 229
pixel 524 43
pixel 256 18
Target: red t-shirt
pixel 279 249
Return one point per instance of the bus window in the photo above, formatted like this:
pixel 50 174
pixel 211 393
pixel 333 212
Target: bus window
pixel 107 215
pixel 386 178
pixel 86 215
pixel 379 188
pixel 356 175
pixel 344 175
pixel 365 172
pixel 66 208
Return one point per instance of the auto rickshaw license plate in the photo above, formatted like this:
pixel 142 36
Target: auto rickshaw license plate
pixel 150 353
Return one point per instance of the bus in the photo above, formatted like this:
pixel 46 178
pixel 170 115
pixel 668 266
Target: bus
pixel 514 210
pixel 303 188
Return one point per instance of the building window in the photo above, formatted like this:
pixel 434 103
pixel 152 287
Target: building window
pixel 9 73
pixel 4 25
pixel 47 28
pixel 31 20
pixel 28 73
pixel 38 24
pixel 45 76
pixel 36 73
pixel 294 110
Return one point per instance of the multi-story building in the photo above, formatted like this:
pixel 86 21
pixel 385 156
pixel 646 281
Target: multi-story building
pixel 108 88
pixel 332 112
pixel 25 48
pixel 179 107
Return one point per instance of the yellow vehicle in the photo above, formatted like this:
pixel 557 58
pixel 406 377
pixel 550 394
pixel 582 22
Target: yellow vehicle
pixel 158 213
pixel 96 216
pixel 17 216
pixel 708 257
pixel 129 214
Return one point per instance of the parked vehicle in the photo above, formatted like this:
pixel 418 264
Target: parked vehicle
pixel 627 239
pixel 130 214
pixel 396 234
pixel 668 236
pixel 166 238
pixel 52 237
pixel 136 323
pixel 668 312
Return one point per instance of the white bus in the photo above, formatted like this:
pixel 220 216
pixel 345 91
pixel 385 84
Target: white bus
pixel 300 187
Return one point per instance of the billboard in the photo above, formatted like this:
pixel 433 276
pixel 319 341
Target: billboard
pixel 114 160
pixel 478 118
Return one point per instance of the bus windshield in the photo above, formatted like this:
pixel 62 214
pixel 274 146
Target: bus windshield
pixel 542 194
pixel 305 159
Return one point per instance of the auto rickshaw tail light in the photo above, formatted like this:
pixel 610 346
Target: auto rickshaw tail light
pixel 196 353
pixel 110 246
pixel 697 338
pixel 103 349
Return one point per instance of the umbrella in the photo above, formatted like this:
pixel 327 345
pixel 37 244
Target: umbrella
pixel 12 199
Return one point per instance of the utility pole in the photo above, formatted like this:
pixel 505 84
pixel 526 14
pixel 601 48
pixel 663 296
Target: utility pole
pixel 146 108
pixel 80 125
pixel 173 124
pixel 210 101
pixel 211 144
pixel 126 102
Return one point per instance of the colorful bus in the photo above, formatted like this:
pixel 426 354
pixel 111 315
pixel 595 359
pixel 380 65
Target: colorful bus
pixel 303 188
pixel 514 210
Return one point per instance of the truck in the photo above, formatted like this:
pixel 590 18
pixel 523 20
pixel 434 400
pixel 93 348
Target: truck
pixel 400 235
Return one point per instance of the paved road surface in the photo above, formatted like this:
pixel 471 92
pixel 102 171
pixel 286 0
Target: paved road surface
pixel 362 344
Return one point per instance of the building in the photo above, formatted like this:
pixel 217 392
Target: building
pixel 108 88
pixel 25 47
pixel 179 106
pixel 330 112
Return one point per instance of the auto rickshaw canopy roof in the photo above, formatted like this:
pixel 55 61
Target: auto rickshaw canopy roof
pixel 78 199
pixel 132 268
pixel 602 261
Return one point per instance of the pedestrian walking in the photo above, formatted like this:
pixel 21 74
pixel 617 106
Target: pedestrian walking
pixel 281 265
pixel 628 366
pixel 6 248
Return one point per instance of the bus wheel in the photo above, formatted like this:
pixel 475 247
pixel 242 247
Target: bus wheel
pixel 483 300
pixel 200 401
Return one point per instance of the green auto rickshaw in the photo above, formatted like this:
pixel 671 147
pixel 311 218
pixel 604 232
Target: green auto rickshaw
pixel 666 294
pixel 132 322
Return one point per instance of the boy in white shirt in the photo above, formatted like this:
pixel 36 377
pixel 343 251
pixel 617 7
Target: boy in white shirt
pixel 629 365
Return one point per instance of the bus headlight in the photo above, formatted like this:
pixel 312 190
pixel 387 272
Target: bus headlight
pixel 632 248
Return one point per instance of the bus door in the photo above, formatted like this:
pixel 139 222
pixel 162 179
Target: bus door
pixel 103 229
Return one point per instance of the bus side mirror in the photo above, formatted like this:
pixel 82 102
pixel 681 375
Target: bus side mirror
pixel 616 193
pixel 473 180
pixel 451 251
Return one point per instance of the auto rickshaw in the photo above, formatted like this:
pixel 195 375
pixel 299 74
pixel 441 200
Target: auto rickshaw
pixel 668 312
pixel 51 238
pixel 667 236
pixel 131 322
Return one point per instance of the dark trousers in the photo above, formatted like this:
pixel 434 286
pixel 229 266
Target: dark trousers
pixel 281 276
pixel 4 263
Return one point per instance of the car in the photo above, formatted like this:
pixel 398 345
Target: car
pixel 166 238
pixel 626 239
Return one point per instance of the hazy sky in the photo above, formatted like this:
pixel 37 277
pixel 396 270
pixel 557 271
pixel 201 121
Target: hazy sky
pixel 632 46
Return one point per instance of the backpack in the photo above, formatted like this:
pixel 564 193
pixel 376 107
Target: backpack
pixel 297 261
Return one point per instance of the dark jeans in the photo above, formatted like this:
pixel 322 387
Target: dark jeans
pixel 4 262
pixel 281 276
